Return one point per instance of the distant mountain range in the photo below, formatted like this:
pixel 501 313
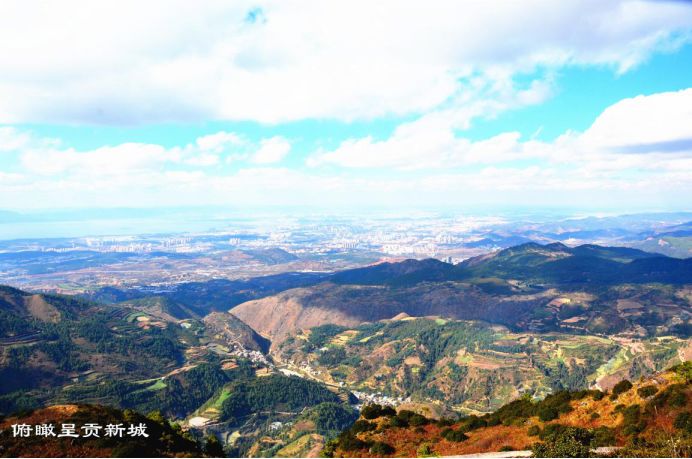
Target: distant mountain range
pixel 553 263
pixel 528 287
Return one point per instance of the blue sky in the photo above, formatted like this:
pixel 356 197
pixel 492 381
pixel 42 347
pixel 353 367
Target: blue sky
pixel 345 105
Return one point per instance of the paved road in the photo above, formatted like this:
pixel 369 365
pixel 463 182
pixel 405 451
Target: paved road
pixel 500 454
pixel 600 451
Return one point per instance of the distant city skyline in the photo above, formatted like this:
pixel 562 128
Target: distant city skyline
pixel 341 106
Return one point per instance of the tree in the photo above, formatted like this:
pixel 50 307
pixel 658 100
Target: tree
pixel 454 435
pixel 620 388
pixel 213 447
pixel 563 441
pixel 381 448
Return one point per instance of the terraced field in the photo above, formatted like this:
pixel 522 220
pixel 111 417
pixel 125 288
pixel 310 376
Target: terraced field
pixel 473 366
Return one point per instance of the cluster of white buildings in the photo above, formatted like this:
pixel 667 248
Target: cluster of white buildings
pixel 255 357
pixel 365 398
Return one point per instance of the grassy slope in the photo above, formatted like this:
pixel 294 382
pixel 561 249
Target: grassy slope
pixel 658 414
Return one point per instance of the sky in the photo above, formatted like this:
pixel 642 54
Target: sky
pixel 346 105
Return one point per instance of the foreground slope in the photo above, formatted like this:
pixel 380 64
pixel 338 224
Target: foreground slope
pixel 651 417
pixel 163 440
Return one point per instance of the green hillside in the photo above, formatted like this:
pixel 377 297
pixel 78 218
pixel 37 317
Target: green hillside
pixel 467 366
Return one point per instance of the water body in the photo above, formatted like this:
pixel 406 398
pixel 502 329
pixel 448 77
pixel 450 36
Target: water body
pixel 104 227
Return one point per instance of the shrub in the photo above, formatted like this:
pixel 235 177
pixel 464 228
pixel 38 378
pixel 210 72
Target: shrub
pixel 683 421
pixel 647 391
pixel 603 436
pixel 513 411
pixel 375 411
pixel 213 447
pixel 659 446
pixel 554 404
pixel 406 414
pixel 547 413
pixel 673 395
pixel 424 450
pixel 491 421
pixel 563 441
pixel 454 435
pixel 677 397
pixel 381 448
pixel 597 395
pixel 445 422
pixel 620 388
pixel 407 418
pixel 157 417
pixel 632 423
pixel 595 415
pixel 507 448
pixel 396 421
pixel 349 442
pixel 470 423
pixel 418 420
pixel 329 448
pixel 685 370
pixel 362 426
pixel 534 431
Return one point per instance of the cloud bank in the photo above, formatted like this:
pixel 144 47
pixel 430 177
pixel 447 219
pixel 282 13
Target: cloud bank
pixel 422 163
pixel 127 62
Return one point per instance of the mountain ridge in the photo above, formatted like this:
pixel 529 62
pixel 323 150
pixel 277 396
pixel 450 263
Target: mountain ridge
pixel 528 287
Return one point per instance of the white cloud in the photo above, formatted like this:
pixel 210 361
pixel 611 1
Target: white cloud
pixel 430 141
pixel 11 139
pixel 659 125
pixel 217 143
pixel 130 62
pixel 655 120
pixel 203 160
pixel 44 157
pixel 100 162
pixel 271 151
pixel 251 187
pixel 423 162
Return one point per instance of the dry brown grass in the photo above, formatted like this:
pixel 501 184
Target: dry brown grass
pixel 406 441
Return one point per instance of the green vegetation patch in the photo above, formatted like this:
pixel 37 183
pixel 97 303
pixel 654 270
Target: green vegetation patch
pixel 274 393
